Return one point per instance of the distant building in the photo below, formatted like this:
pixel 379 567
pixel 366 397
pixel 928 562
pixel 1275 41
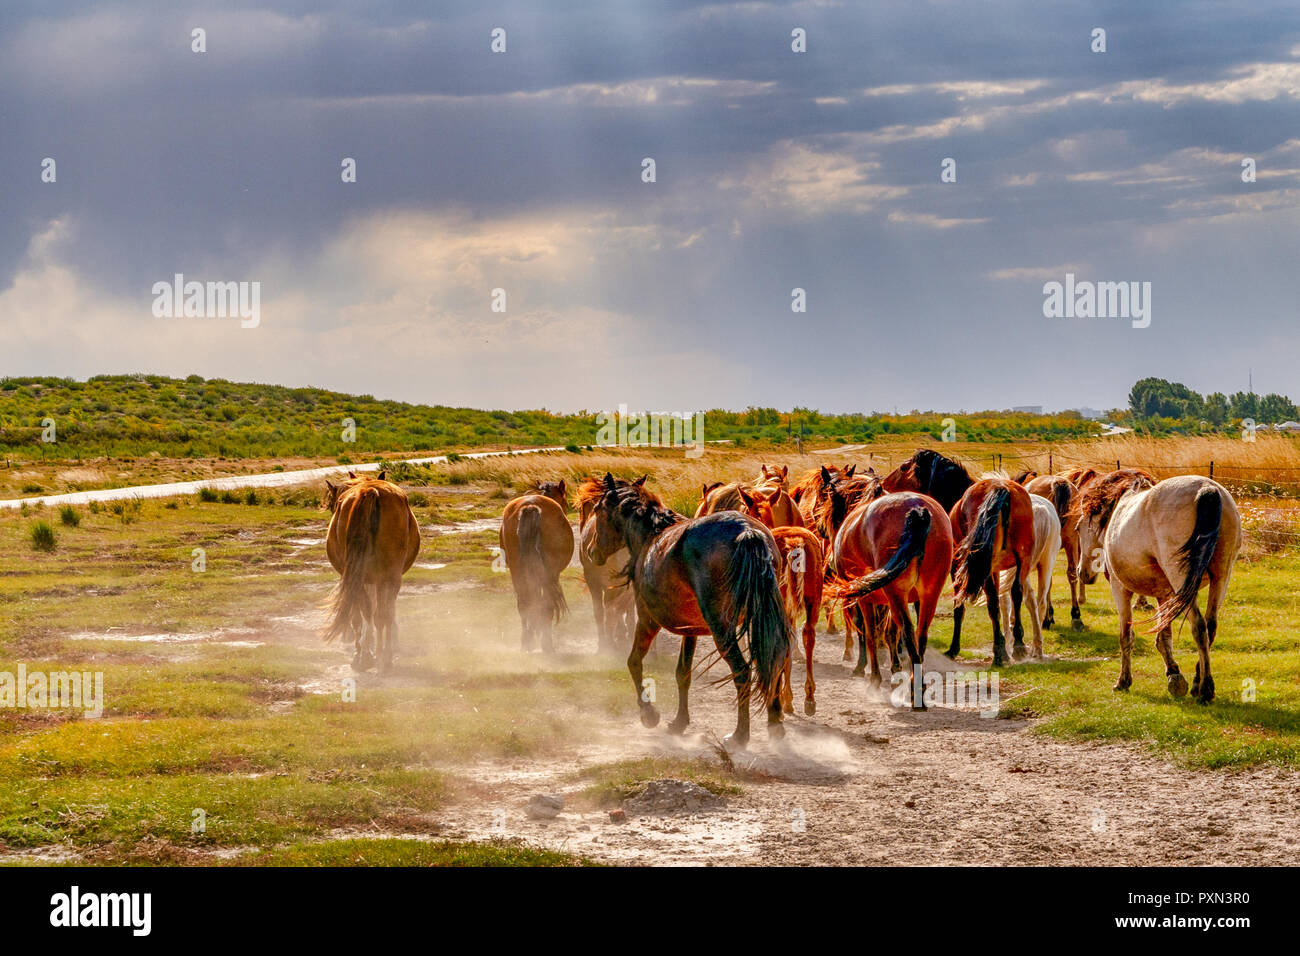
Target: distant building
pixel 1093 414
pixel 1028 409
pixel 1287 427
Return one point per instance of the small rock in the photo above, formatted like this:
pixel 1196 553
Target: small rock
pixel 544 806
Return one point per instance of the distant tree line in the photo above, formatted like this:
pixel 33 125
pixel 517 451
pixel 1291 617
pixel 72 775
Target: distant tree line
pixel 1155 402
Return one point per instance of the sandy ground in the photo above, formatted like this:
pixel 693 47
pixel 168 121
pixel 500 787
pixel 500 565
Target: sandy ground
pixel 865 782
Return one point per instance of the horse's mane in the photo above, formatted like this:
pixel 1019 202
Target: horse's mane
pixel 842 496
pixel 939 476
pixel 635 503
pixel 811 481
pixel 1025 476
pixel 1100 497
pixel 1081 476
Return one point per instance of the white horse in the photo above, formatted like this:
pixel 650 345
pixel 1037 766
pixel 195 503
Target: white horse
pixel 1166 540
pixel 1047 541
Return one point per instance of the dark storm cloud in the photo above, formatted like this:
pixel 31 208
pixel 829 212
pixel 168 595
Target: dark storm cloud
pixel 775 171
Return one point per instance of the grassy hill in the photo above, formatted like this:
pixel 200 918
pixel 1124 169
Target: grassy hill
pixel 134 415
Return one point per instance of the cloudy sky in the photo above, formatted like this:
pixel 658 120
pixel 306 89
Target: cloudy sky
pixel 775 170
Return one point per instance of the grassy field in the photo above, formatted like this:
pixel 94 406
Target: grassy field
pixel 220 698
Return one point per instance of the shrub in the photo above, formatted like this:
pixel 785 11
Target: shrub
pixel 251 497
pixel 68 515
pixel 43 538
pixel 207 494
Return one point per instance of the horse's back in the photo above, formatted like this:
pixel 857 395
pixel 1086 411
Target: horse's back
pixel 556 532
pixel 1158 521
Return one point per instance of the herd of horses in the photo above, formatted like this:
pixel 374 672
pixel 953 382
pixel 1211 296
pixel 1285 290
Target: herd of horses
pixel 759 555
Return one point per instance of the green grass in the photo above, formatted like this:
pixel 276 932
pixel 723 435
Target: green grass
pixel 410 853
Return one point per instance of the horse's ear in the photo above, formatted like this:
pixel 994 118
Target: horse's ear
pixel 609 482
pixel 785 471
pixel 848 472
pixel 381 475
pixel 746 497
pixel 352 474
pixel 796 494
pixel 826 476
pixel 330 485
pixel 872 472
pixel 763 469
pixel 772 494
pixel 561 486
pixel 640 481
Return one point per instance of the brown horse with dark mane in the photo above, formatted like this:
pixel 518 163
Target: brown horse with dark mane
pixel 612 600
pixel 890 550
pixel 711 575
pixel 372 541
pixel 932 474
pixel 994 521
pixel 538 544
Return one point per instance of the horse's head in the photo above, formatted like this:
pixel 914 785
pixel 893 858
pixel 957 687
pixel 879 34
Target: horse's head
pixel 555 491
pixel 905 477
pixel 331 495
pixel 758 505
pixel 611 511
pixel 773 476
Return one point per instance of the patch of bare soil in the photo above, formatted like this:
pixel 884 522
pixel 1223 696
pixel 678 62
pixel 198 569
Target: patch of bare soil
pixel 865 782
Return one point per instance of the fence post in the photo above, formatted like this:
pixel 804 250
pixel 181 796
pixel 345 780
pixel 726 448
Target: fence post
pixel 1211 469
pixel 1050 469
pixel 1117 464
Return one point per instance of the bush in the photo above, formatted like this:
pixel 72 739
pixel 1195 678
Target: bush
pixel 251 497
pixel 229 498
pixel 207 494
pixel 571 447
pixel 43 538
pixel 68 515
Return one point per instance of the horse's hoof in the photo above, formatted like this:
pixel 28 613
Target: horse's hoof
pixel 920 706
pixel 775 730
pixel 1178 685
pixel 649 717
pixel 809 708
pixel 847 657
pixel 999 660
pixel 1123 687
pixel 787 708
pixel 1077 624
pixel 859 671
pixel 951 653
pixel 875 680
pixel 734 742
pixel 1019 653
pixel 678 727
pixel 895 667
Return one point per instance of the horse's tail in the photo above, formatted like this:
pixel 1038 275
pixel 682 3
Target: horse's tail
pixel 756 596
pixel 532 562
pixel 350 595
pixel 793 587
pixel 974 561
pixel 1196 554
pixel 911 545
pixel 1061 495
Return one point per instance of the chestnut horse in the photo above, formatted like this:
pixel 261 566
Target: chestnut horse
pixel 891 550
pixel 771 485
pixel 711 575
pixel 1167 540
pixel 1061 494
pixel 612 600
pixel 538 544
pixel 372 541
pixel 734 497
pixel 1047 541
pixel 994 521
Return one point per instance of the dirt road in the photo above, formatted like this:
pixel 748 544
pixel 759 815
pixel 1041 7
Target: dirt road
pixel 864 782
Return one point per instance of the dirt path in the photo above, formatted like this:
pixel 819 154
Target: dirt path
pixel 864 782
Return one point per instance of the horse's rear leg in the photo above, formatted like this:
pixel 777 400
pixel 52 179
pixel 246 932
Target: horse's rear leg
pixel 865 620
pixel 641 641
pixel 995 615
pixel 598 610
pixel 903 621
pixel 1033 595
pixel 386 624
pixel 1177 682
pixel 1203 686
pixel 1076 587
pixel 958 612
pixel 809 643
pixel 685 661
pixel 1018 583
pixel 738 739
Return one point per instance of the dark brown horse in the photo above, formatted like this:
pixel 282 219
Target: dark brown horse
pixel 538 544
pixel 711 575
pixel 372 541
pixel 932 474
pixel 994 523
